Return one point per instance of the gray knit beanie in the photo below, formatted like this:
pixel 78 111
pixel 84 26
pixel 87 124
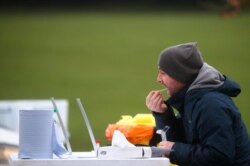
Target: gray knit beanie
pixel 182 62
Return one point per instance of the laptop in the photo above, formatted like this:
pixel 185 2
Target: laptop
pixel 106 151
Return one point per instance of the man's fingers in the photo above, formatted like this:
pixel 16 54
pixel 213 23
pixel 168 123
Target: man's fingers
pixel 154 101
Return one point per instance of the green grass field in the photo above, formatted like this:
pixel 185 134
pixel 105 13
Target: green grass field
pixel 109 59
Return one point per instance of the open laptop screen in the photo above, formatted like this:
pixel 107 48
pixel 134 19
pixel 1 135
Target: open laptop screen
pixel 85 118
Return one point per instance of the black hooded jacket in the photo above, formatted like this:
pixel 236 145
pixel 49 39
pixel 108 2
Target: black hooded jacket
pixel 209 130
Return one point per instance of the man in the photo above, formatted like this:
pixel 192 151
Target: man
pixel 208 131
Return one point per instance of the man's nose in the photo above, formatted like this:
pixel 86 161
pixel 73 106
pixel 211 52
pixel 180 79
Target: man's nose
pixel 158 79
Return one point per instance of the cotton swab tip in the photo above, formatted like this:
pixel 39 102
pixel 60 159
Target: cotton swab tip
pixel 162 90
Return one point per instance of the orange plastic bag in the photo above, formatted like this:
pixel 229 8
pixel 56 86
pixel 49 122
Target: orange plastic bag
pixel 136 134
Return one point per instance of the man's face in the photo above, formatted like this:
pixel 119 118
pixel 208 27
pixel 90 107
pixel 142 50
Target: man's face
pixel 171 84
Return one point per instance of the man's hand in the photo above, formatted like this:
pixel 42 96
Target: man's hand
pixel 155 102
pixel 168 145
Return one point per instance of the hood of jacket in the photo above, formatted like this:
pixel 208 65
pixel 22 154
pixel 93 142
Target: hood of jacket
pixel 211 79
pixel 208 79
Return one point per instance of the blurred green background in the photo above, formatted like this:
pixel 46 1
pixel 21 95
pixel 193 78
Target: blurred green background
pixel 108 59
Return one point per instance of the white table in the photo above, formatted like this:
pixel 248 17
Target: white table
pixel 88 161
